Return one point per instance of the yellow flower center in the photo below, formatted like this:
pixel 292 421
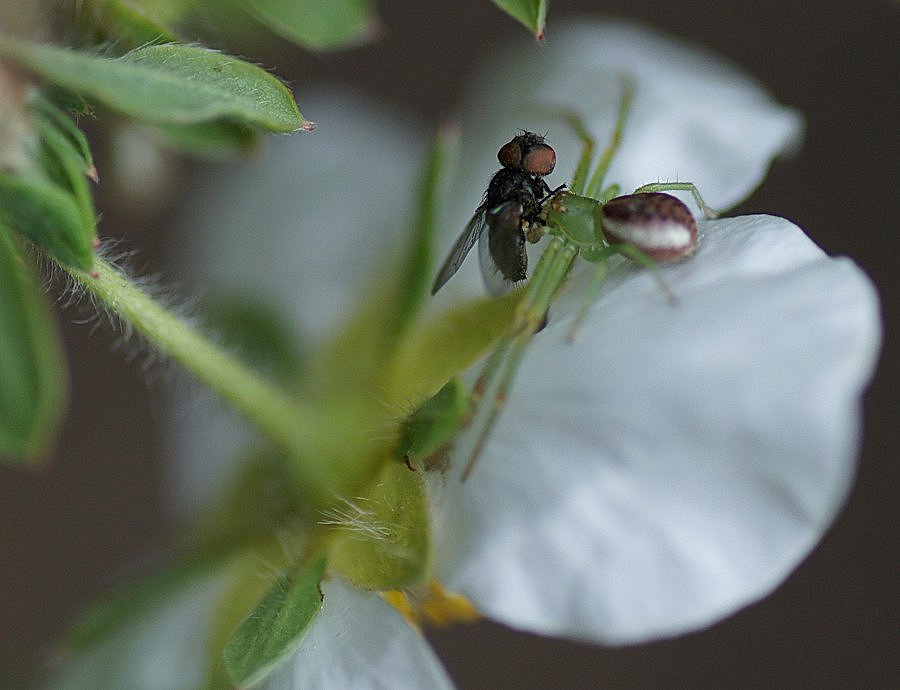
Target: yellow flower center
pixel 432 605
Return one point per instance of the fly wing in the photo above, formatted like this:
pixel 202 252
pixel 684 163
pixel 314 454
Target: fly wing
pixel 501 250
pixel 473 230
pixel 496 284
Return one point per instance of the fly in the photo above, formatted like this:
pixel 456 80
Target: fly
pixel 511 209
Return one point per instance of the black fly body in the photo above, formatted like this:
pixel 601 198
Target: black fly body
pixel 512 204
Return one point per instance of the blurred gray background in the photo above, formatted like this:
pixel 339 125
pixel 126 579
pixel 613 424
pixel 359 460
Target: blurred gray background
pixel 68 529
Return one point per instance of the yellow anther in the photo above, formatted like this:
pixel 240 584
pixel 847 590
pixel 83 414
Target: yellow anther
pixel 432 605
pixel 444 608
pixel 399 601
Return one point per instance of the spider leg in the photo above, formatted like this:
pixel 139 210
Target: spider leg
pixel 497 376
pixel 679 187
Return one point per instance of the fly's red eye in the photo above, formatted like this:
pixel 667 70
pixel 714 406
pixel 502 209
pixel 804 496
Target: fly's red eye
pixel 510 154
pixel 540 160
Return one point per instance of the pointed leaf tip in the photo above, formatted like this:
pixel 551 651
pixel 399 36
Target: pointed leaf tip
pixel 530 13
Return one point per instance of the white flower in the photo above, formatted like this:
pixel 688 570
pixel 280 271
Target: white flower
pixel 675 463
pixel 669 467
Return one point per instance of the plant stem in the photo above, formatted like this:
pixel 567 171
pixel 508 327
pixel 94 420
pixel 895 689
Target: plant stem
pixel 285 420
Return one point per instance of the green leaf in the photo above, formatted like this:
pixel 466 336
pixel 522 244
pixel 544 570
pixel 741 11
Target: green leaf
pixel 434 423
pixel 271 632
pixel 315 24
pixel 386 543
pixel 50 114
pixel 68 102
pixel 415 273
pixel 32 374
pixel 531 13
pixel 49 216
pixel 167 84
pixel 65 159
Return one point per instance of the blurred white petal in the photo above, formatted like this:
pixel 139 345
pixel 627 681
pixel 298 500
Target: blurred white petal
pixel 359 642
pixel 306 227
pixel 308 224
pixel 695 117
pixel 165 648
pixel 676 462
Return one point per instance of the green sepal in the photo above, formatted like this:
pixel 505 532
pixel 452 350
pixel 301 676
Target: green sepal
pixel 49 216
pixel 33 381
pixel 434 423
pixel 261 500
pixel 384 534
pixel 272 630
pixel 531 13
pixel 440 348
pixel 314 24
pixel 166 84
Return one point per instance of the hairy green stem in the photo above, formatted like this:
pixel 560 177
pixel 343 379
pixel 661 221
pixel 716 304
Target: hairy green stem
pixel 285 420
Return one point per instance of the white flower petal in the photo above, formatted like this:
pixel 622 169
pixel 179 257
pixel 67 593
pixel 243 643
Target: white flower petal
pixel 359 642
pixel 309 224
pixel 307 227
pixel 675 463
pixel 164 649
pixel 695 117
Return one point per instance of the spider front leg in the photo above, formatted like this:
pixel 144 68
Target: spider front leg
pixel 601 258
pixel 615 140
pixel 611 192
pixel 590 295
pixel 648 227
pixel 585 183
pixel 495 380
pixel 679 187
